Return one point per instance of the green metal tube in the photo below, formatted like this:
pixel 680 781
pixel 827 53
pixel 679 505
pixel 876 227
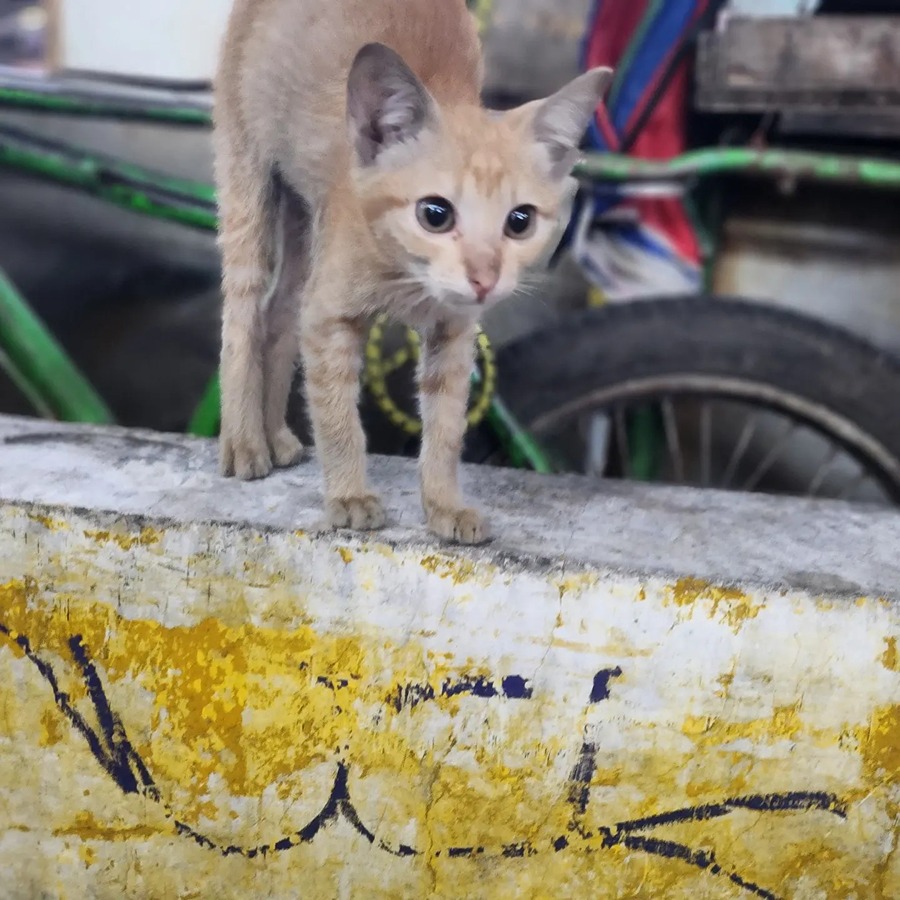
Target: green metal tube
pixel 32 394
pixel 522 448
pixel 133 187
pixel 778 164
pixel 40 366
pixel 206 418
pixel 645 438
pixel 99 107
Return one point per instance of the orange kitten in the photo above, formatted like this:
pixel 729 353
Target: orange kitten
pixel 358 173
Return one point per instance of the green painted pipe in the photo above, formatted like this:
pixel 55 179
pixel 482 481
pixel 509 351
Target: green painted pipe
pixel 645 438
pixel 523 449
pixel 205 421
pixel 60 103
pixel 39 365
pixel 123 184
pixel 779 164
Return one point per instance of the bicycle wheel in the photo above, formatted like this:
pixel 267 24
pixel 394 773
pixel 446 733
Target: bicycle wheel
pixel 717 392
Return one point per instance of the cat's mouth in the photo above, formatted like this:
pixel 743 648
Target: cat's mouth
pixel 420 293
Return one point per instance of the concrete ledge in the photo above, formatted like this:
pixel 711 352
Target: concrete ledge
pixel 632 693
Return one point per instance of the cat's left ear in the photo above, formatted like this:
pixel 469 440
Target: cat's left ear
pixel 386 104
pixel 560 121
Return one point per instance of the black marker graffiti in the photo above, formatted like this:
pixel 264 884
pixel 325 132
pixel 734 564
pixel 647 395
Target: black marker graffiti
pixel 408 696
pixel 111 748
pixel 600 689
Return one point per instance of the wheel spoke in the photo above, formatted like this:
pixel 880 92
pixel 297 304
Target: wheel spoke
pixel 740 448
pixel 850 488
pixel 596 455
pixel 622 441
pixel 818 479
pixel 611 435
pixel 672 442
pixel 705 443
pixel 771 457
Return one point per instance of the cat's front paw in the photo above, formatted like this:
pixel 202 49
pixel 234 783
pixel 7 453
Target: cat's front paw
pixel 363 513
pixel 286 449
pixel 245 458
pixel 463 526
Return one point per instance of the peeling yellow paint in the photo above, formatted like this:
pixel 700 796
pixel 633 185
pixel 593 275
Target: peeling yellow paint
pixel 145 538
pixel 86 827
pixel 728 605
pixel 51 727
pixel 457 569
pixel 202 680
pixel 890 659
pixel 576 583
pixel 881 745
pixel 784 724
pixel 242 719
pixel 246 708
pixel 235 711
pixel 725 680
pixel 49 522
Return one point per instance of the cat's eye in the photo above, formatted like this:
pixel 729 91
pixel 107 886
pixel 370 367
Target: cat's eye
pixel 521 222
pixel 436 214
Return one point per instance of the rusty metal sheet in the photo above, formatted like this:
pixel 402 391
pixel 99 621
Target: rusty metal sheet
pixel 846 63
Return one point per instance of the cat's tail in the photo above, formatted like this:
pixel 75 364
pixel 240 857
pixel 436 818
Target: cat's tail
pixel 278 265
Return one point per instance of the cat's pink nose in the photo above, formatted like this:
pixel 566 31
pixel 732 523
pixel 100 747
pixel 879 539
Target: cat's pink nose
pixel 482 283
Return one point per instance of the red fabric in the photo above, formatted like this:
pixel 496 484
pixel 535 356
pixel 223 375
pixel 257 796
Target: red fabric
pixel 613 26
pixel 664 134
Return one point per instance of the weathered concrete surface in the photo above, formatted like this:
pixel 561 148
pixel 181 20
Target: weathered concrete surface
pixel 632 693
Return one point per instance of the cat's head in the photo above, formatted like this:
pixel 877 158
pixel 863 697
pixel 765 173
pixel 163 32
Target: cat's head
pixel 462 201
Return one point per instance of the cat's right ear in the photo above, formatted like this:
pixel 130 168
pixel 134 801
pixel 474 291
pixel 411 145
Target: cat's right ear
pixel 386 104
pixel 559 122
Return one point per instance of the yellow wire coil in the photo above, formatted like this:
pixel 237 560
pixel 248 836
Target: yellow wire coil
pixel 377 370
pixel 482 10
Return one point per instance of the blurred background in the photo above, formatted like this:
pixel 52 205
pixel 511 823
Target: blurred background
pixel 110 298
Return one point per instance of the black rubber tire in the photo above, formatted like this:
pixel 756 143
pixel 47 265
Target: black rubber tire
pixel 828 377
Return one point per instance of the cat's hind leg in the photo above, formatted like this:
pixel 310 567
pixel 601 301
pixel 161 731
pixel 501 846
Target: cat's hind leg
pixel 293 236
pixel 246 229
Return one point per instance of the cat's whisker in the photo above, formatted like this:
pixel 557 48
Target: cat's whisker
pixel 530 286
pixel 405 283
pixel 536 289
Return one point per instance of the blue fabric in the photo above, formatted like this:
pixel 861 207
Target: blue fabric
pixel 666 30
pixel 659 40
